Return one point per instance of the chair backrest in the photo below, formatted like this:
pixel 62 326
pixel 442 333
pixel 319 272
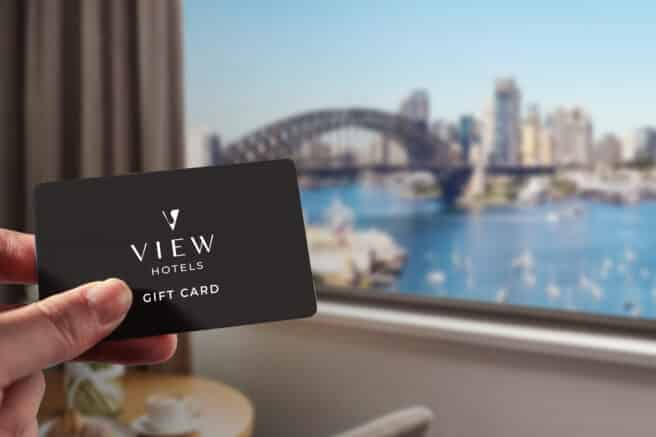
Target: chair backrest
pixel 409 422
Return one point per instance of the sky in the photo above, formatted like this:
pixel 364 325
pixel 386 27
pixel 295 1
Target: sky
pixel 249 62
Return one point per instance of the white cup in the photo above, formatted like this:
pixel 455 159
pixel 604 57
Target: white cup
pixel 168 414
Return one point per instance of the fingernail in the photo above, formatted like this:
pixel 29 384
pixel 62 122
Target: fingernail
pixel 111 299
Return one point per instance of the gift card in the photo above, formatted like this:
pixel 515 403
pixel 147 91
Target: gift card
pixel 201 248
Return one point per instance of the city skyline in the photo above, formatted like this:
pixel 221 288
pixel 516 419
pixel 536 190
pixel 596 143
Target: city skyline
pixel 285 60
pixel 503 135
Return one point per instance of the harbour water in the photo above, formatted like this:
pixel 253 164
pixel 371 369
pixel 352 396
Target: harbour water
pixel 574 255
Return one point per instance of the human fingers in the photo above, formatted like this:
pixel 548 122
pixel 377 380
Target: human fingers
pixel 17 257
pixel 147 350
pixel 19 405
pixel 60 328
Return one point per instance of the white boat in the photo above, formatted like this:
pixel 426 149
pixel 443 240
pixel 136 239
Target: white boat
pixel 436 277
pixel 502 295
pixel 524 261
pixel 553 291
pixel 595 290
pixel 552 217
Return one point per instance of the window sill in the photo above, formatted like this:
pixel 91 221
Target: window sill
pixel 607 347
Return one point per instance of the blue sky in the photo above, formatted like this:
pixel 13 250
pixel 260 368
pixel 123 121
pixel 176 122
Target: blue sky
pixel 252 62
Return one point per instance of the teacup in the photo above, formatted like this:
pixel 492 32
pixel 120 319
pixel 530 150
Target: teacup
pixel 167 415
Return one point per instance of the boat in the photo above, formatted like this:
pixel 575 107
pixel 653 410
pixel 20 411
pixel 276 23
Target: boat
pixel 436 277
pixel 502 295
pixel 524 261
pixel 553 291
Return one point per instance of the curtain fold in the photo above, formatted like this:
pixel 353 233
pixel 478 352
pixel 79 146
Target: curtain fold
pixel 87 88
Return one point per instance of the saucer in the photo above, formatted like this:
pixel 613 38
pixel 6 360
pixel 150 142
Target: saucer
pixel 141 426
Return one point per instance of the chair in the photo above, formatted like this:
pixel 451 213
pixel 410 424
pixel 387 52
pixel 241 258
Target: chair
pixel 409 422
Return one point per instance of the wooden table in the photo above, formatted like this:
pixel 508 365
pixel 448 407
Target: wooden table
pixel 225 410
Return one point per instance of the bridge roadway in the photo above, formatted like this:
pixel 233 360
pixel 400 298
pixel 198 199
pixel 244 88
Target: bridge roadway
pixel 453 179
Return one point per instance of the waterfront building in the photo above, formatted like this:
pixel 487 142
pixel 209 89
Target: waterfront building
pixel 536 140
pixel 630 146
pixel 213 144
pixel 416 107
pixel 645 143
pixel 447 132
pixel 608 150
pixel 572 135
pixel 480 153
pixel 468 135
pixel 546 152
pixel 506 122
pixel 444 130
pixel 486 129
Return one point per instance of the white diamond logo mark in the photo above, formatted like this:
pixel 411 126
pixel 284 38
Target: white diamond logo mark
pixel 171 218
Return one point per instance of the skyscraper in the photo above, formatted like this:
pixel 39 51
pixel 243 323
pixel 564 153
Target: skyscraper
pixel 536 141
pixel 467 136
pixel 417 107
pixel 506 119
pixel 444 130
pixel 213 144
pixel 487 134
pixel 608 150
pixel 645 147
pixel 572 134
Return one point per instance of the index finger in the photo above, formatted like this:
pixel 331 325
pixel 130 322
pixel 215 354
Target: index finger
pixel 17 257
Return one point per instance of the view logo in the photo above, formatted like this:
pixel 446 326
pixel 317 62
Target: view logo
pixel 171 218
pixel 174 248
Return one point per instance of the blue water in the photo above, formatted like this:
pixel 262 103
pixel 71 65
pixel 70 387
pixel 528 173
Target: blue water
pixel 475 251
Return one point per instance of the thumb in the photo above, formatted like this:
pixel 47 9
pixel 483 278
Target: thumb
pixel 60 328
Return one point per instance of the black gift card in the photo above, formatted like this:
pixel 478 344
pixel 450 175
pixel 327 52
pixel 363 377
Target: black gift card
pixel 201 248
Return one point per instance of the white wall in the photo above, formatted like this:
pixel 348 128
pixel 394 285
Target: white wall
pixel 313 379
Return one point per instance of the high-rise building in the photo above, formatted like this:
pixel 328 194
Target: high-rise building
pixel 608 150
pixel 468 135
pixel 444 130
pixel 572 135
pixel 536 141
pixel 417 107
pixel 447 133
pixel 507 120
pixel 213 144
pixel 645 143
pixel 487 134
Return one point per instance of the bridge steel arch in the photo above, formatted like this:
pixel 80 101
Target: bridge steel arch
pixel 284 137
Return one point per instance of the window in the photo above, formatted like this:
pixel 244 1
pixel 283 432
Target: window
pixel 492 153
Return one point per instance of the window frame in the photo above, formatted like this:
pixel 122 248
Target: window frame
pixel 496 312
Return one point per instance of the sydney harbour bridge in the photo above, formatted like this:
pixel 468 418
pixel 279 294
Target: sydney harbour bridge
pixel 425 151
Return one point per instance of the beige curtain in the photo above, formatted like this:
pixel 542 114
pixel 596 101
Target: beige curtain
pixel 87 88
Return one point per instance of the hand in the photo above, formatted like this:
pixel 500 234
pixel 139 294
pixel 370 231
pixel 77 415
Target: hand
pixel 63 327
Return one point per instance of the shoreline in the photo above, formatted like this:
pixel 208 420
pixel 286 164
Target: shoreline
pixel 512 261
